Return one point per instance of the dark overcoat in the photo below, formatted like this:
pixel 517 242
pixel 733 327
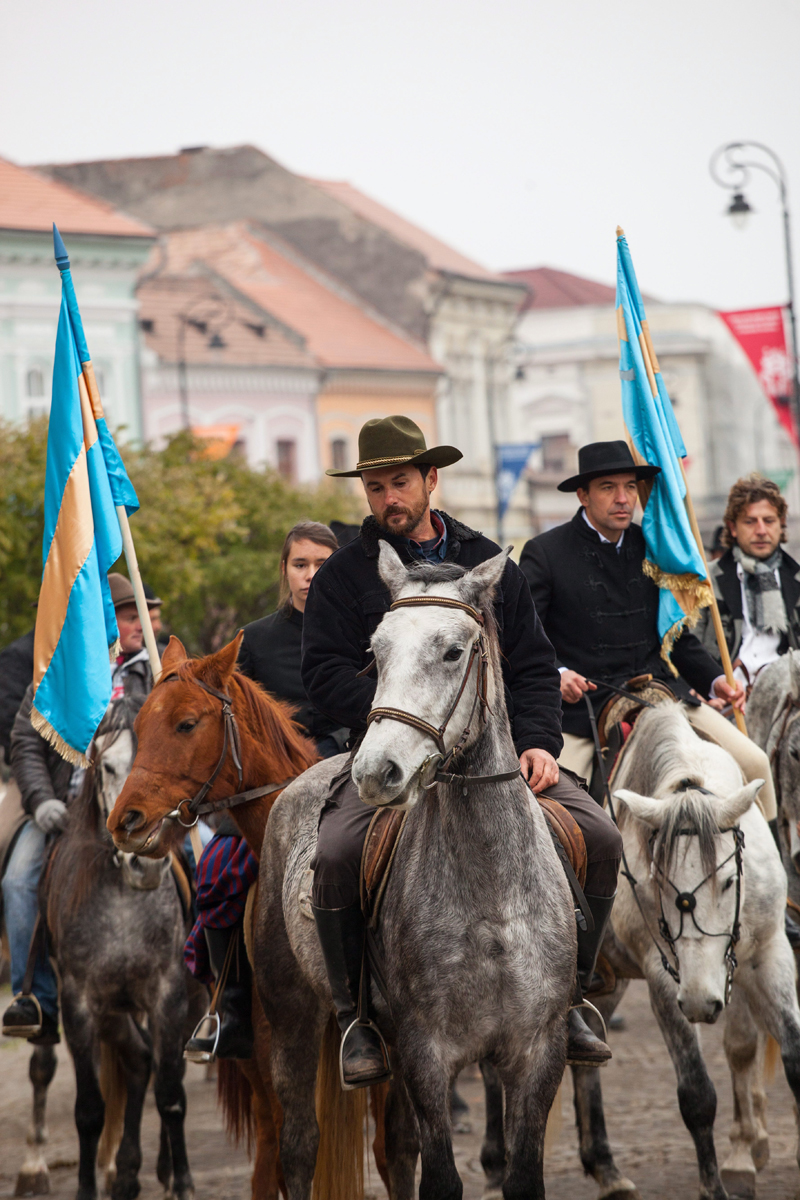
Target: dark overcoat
pixel 600 611
pixel 728 590
pixel 348 599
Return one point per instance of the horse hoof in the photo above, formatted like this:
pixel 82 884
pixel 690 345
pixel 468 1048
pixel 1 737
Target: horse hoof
pixel 462 1126
pixel 620 1189
pixel 33 1183
pixel 759 1152
pixel 740 1184
pixel 493 1193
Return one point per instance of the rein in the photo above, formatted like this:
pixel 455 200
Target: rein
pixel 198 806
pixel 479 656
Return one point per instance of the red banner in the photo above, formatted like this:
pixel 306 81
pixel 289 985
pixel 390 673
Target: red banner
pixel 760 332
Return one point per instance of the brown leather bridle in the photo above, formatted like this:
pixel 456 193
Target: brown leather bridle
pixel 479 655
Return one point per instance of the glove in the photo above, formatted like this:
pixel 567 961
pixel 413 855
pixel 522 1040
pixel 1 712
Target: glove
pixel 51 816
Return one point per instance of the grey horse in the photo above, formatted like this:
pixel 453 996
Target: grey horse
pixel 477 934
pixel 118 927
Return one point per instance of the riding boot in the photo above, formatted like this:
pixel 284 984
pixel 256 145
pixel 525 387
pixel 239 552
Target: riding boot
pixel 363 1057
pixel 584 1049
pixel 25 1018
pixel 234 1003
pixel 790 925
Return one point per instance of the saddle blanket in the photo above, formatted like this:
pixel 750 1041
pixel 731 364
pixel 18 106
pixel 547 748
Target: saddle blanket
pixel 225 872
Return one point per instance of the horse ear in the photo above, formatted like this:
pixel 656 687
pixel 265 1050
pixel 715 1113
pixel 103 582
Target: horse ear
pixel 644 808
pixel 478 585
pixel 733 807
pixel 174 655
pixel 222 664
pixel 391 569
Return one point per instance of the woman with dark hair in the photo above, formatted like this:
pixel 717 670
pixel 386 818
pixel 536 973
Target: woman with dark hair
pixel 271 647
pixel 269 654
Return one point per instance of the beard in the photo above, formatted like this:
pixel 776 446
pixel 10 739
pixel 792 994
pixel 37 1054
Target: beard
pixel 411 517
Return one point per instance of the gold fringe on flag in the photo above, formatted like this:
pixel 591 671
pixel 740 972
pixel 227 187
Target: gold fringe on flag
pixel 43 726
pixel 693 595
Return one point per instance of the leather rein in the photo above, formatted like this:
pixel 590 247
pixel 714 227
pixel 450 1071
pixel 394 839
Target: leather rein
pixel 198 806
pixel 478 656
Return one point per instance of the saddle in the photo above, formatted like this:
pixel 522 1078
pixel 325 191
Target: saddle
pixel 386 827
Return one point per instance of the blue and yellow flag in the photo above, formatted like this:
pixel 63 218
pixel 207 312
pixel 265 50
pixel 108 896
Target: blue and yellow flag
pixel 673 558
pixel 76 628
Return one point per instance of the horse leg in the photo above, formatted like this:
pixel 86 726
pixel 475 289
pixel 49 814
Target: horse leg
pixel 89 1107
pixel 136 1058
pixel 595 1150
pixel 401 1140
pixel 264 1184
pixel 493 1150
pixel 696 1096
pixel 749 1142
pixel 531 1085
pixel 295 1045
pixel 428 1083
pixel 34 1177
pixel 171 1101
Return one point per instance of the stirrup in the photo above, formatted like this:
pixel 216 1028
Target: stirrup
pixel 588 1004
pixel 25 1031
pixel 204 1056
pixel 352 1087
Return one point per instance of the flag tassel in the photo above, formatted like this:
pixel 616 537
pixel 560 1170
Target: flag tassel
pixel 51 735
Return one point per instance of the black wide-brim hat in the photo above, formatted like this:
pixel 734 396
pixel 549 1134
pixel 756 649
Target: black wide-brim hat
pixel 605 458
pixel 393 442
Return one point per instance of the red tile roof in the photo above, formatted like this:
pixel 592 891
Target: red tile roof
pixel 439 255
pixel 338 332
pixel 558 289
pixel 29 201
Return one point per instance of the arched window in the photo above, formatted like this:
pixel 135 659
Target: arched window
pixel 339 454
pixel 35 383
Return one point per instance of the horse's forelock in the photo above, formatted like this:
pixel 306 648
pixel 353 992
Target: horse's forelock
pixel 692 810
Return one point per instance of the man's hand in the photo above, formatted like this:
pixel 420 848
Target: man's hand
pixel 539 768
pixel 51 815
pixel 574 685
pixel 731 695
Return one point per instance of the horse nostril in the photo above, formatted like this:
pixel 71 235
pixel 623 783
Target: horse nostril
pixel 717 1008
pixel 134 820
pixel 392 774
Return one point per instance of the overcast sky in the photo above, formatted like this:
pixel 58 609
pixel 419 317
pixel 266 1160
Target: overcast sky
pixel 520 131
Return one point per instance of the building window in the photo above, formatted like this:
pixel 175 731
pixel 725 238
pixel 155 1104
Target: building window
pixel 35 383
pixel 287 460
pixel 556 452
pixel 339 454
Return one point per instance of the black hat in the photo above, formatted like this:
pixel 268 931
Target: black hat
pixel 394 441
pixel 605 458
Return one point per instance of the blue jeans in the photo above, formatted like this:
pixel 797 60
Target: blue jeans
pixel 21 904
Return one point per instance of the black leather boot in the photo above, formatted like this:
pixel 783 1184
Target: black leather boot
pixel 363 1058
pixel 584 1049
pixel 25 1018
pixel 234 1004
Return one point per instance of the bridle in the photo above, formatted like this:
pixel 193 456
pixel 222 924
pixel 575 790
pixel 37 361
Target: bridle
pixel 478 656
pixel 198 806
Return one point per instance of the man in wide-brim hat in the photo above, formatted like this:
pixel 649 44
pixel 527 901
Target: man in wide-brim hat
pixel 600 611
pixel 345 605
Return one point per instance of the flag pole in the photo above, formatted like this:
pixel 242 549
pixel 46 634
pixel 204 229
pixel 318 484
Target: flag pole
pixel 138 591
pixel 651 365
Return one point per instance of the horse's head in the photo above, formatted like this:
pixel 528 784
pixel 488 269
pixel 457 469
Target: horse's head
pixel 180 737
pixel 432 663
pixel 698 879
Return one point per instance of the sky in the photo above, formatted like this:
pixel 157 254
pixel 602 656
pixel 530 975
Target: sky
pixel 521 132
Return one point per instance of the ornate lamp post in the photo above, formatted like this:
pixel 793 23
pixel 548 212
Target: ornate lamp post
pixel 730 167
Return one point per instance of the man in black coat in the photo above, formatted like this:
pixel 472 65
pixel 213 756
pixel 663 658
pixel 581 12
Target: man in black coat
pixel 345 605
pixel 600 611
pixel 16 672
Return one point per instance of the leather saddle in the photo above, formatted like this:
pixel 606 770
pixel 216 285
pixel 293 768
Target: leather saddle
pixel 386 827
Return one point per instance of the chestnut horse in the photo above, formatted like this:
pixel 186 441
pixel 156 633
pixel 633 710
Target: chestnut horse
pixel 181 741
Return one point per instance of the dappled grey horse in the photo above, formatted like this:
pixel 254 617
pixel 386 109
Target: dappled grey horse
pixel 117 928
pixel 477 934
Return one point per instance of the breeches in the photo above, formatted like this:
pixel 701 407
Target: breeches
pixel 578 753
pixel 20 906
pixel 345 819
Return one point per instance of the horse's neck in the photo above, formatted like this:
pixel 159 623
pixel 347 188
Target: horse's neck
pixel 487 811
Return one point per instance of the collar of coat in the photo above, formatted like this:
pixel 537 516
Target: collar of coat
pixel 729 589
pixel 589 532
pixel 372 532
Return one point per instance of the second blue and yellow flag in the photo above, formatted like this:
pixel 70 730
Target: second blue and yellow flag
pixel 673 558
pixel 76 628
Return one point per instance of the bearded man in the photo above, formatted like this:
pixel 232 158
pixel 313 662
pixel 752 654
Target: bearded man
pixel 345 605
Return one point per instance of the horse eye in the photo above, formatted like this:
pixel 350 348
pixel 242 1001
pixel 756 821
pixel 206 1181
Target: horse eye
pixel 793 752
pixel 728 883
pixel 186 726
pixel 109 770
pixel 453 654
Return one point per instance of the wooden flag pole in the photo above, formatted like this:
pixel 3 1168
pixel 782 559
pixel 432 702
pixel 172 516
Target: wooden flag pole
pixel 138 591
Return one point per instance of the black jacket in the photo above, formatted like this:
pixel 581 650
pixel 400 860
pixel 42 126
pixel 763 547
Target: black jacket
pixel 16 672
pixel 600 612
pixel 728 591
pixel 345 605
pixel 270 653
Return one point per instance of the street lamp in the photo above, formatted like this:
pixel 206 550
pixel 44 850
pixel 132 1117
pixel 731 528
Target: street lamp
pixel 730 167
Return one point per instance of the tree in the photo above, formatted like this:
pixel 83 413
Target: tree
pixel 208 534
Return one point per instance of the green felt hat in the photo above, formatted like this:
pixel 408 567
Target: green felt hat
pixel 394 441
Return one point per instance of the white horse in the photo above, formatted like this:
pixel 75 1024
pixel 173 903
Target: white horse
pixel 704 922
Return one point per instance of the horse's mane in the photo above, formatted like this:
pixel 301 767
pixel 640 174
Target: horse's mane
pixel 691 809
